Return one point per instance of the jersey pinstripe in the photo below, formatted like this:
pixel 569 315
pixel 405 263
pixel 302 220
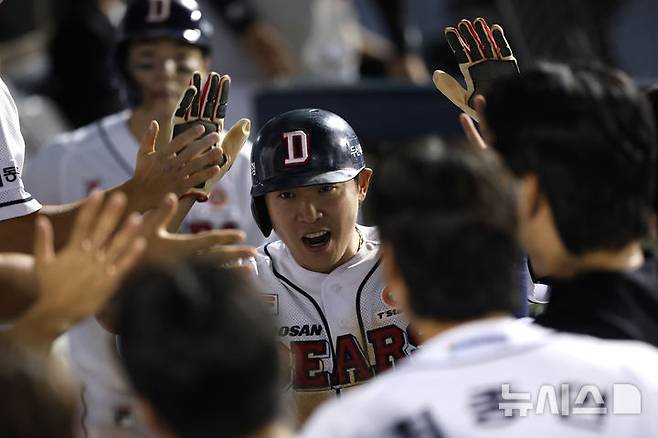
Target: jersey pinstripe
pixel 336 329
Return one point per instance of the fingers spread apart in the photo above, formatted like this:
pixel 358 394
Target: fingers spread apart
pixel 475 41
pixel 206 103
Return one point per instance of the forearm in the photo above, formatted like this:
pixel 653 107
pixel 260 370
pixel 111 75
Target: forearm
pixel 19 287
pixel 136 200
pixel 37 329
pixel 184 207
pixel 17 234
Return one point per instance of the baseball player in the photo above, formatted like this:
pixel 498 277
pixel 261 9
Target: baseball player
pixel 338 323
pixel 480 372
pixel 157 173
pixel 162 44
pixel 582 229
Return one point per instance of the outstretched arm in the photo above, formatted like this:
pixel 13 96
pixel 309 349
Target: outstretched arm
pixel 76 281
pixel 187 165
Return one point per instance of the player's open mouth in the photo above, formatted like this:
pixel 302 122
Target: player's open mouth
pixel 317 240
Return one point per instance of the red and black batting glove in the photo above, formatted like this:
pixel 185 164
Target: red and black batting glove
pixel 208 108
pixel 483 54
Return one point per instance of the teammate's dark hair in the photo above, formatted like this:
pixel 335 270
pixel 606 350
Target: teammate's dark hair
pixel 587 133
pixel 449 213
pixel 199 346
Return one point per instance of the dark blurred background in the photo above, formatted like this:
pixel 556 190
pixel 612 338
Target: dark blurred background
pixel 56 56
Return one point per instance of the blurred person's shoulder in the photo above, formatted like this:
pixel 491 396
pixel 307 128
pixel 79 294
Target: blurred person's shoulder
pixel 624 358
pixel 85 138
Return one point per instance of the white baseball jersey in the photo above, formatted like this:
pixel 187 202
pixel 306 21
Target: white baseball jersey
pixel 337 329
pixel 504 377
pixel 15 201
pixel 103 155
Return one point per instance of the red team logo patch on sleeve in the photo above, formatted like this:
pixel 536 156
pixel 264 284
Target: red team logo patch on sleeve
pixel 298 148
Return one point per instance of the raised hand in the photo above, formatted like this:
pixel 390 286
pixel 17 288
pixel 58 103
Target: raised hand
pixel 215 245
pixel 483 54
pixel 78 280
pixel 208 110
pixel 185 162
pixel 163 247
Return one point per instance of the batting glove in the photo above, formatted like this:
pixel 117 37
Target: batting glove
pixel 208 108
pixel 483 54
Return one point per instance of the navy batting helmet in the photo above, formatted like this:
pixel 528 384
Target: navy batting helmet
pixel 301 148
pixel 179 20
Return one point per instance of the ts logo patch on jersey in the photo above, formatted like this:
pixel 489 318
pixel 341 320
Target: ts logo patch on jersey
pixel 298 148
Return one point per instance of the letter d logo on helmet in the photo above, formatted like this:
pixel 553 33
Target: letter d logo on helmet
pixel 301 148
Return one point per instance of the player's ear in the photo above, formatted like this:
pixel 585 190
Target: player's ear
pixel 363 182
pixel 530 198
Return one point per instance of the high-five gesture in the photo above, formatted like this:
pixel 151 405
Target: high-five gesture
pixel 183 163
pixel 207 108
pixel 164 247
pixel 483 54
pixel 79 279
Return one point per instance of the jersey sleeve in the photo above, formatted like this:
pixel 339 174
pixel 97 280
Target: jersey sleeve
pixel 15 201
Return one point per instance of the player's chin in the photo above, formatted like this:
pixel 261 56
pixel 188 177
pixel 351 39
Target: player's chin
pixel 318 258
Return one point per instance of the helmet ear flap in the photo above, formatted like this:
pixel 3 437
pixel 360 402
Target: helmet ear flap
pixel 261 216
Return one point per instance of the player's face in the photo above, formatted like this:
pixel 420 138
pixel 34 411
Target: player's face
pixel 162 68
pixel 318 223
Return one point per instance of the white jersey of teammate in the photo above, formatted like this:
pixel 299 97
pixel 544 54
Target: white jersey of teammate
pixel 103 155
pixel 337 328
pixel 15 201
pixel 455 386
